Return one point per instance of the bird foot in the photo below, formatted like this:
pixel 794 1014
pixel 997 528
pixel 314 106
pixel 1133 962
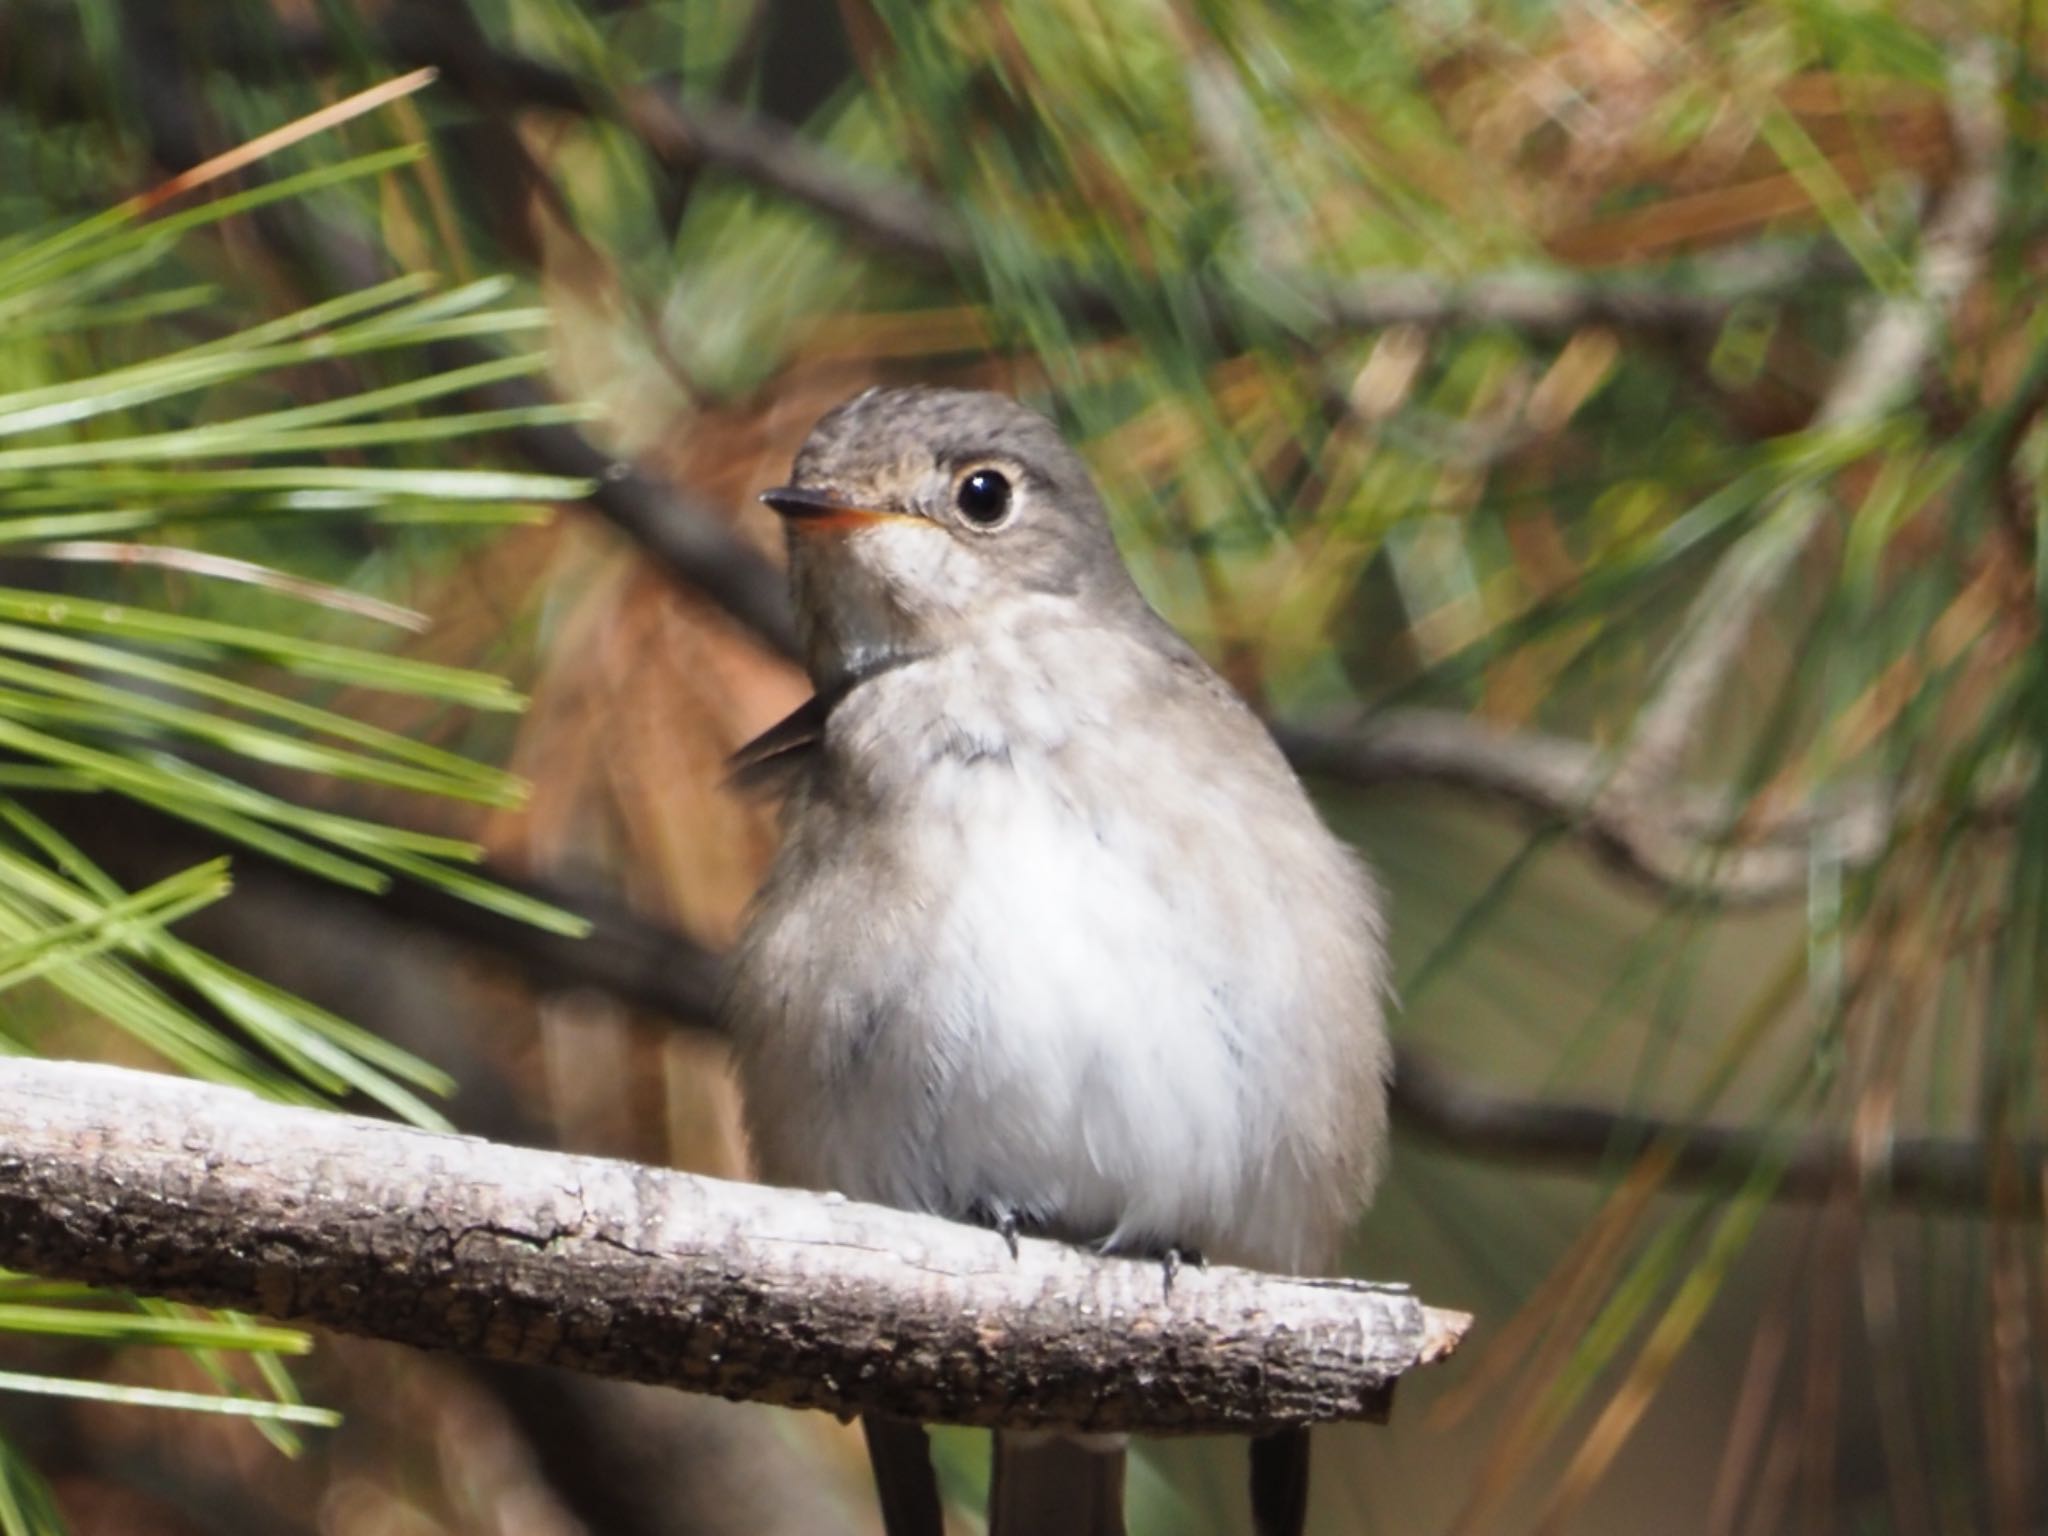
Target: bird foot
pixel 1173 1260
pixel 999 1219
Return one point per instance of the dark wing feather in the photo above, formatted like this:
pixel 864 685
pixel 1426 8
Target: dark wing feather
pixel 766 764
pixel 778 754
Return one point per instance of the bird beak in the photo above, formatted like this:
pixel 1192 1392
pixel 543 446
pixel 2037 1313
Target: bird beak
pixel 805 507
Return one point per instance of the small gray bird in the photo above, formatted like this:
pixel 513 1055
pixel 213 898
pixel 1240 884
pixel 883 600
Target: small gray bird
pixel 1055 941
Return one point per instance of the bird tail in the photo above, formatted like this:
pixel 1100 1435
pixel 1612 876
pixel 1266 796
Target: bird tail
pixel 1045 1485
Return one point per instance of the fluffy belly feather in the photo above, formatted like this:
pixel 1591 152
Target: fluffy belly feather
pixel 1057 1016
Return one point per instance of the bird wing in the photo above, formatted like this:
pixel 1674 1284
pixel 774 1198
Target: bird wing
pixel 767 763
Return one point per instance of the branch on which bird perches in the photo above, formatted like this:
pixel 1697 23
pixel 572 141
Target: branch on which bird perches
pixel 209 1194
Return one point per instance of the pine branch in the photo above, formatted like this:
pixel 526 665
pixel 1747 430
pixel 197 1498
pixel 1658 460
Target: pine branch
pixel 208 1194
pixel 1877 374
pixel 900 219
pixel 690 540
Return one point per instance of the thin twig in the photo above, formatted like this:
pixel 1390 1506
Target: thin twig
pixel 1226 121
pixel 892 216
pixel 1677 845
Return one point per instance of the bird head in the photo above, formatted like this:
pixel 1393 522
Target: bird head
pixel 920 517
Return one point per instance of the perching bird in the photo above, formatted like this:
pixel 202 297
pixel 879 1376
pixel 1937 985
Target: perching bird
pixel 1055 942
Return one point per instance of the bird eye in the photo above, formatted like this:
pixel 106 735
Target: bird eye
pixel 983 498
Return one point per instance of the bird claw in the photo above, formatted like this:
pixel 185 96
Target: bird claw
pixel 999 1219
pixel 1173 1260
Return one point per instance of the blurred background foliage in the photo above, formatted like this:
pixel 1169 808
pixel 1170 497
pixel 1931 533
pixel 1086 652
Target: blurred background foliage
pixel 1602 437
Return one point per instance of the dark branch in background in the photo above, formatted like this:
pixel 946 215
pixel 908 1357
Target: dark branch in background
pixel 1930 1171
pixel 1686 844
pixel 1696 296
pixel 640 1461
pixel 686 538
pixel 890 216
pixel 211 1195
pixel 887 215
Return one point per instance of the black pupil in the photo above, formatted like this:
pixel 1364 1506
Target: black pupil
pixel 984 497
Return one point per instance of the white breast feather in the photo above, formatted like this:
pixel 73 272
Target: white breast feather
pixel 1097 1007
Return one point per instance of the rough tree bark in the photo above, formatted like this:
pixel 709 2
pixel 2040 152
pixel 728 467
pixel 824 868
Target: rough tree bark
pixel 209 1194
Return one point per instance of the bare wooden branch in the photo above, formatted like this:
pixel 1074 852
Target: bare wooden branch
pixel 208 1194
